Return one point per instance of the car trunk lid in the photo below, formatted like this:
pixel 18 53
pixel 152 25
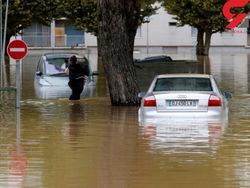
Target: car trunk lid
pixel 176 101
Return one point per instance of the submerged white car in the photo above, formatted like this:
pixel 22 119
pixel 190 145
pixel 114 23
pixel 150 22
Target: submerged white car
pixel 51 80
pixel 183 96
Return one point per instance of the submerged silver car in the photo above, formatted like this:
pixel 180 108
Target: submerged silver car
pixel 183 96
pixel 51 80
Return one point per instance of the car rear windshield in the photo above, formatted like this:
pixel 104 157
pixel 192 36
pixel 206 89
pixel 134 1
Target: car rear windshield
pixel 183 84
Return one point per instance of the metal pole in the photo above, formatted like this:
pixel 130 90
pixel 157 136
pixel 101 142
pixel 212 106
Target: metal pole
pixel 147 39
pixel 1 40
pixel 5 26
pixel 18 84
pixel 147 20
pixel 4 41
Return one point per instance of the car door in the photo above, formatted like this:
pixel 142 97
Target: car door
pixel 40 68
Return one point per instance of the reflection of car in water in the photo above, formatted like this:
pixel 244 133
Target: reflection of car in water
pixel 186 135
pixel 183 95
pixel 51 80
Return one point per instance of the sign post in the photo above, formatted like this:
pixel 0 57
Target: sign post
pixel 17 50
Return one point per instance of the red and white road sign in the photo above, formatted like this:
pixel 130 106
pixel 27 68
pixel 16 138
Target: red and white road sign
pixel 17 49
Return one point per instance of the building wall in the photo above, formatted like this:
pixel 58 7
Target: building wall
pixel 37 34
pixel 58 34
pixel 159 33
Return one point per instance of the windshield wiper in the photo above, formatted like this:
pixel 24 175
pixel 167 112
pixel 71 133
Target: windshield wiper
pixel 59 74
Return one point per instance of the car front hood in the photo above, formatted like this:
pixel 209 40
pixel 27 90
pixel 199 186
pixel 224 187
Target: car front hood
pixel 61 81
pixel 53 81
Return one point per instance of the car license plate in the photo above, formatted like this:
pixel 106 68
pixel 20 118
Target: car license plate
pixel 184 103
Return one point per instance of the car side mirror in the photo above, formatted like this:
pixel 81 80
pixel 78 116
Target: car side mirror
pixel 227 94
pixel 39 73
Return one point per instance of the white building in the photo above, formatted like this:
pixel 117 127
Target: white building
pixel 161 35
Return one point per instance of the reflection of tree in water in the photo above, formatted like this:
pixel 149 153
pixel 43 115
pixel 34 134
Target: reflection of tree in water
pixel 118 148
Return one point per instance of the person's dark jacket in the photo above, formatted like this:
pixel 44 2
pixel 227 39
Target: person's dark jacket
pixel 77 72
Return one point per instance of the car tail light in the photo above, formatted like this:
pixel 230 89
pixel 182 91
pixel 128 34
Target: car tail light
pixel 149 102
pixel 214 101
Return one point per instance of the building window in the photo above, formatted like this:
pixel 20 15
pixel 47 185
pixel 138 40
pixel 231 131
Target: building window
pixel 37 35
pixel 74 36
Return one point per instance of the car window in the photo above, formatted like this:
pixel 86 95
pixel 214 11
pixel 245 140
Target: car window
pixel 55 66
pixel 183 84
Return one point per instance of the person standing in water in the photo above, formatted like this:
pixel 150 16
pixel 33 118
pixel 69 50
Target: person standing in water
pixel 77 75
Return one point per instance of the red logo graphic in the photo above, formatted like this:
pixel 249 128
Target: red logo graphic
pixel 235 19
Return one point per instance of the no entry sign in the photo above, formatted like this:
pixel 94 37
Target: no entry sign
pixel 17 49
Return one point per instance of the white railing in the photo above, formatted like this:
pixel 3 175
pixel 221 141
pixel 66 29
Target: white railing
pixel 60 40
pixel 37 40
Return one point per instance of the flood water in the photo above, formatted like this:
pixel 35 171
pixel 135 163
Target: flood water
pixel 54 143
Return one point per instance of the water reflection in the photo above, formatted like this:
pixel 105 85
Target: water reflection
pixel 14 167
pixel 18 165
pixel 55 92
pixel 184 135
pixel 232 72
pixel 76 120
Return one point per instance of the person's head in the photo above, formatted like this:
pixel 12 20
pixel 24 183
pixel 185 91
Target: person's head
pixel 73 60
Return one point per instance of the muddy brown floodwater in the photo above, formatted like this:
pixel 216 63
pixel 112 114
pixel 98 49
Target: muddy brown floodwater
pixel 54 143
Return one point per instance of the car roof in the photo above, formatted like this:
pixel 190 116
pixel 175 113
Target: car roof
pixel 61 55
pixel 184 76
pixel 155 57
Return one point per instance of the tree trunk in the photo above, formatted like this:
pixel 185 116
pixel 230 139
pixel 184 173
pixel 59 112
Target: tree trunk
pixel 200 42
pixel 205 63
pixel 117 24
pixel 207 42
